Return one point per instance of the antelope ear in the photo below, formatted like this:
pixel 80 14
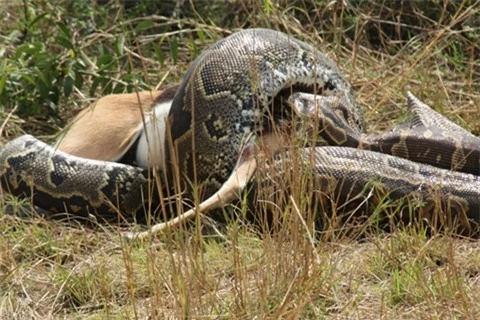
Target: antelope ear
pixel 108 128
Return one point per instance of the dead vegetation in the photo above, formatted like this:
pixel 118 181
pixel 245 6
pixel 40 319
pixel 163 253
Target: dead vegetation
pixel 55 270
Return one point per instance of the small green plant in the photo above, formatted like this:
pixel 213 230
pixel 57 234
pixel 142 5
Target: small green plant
pixel 56 56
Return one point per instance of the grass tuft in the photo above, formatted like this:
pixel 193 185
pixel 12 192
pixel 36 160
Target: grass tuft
pixel 59 56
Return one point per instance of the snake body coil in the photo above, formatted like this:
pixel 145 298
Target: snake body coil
pixel 229 90
pixel 60 182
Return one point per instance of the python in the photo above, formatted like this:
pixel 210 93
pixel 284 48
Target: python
pixel 212 129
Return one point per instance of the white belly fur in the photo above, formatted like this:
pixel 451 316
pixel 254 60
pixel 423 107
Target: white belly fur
pixel 150 148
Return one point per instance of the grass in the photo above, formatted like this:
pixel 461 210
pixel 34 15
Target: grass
pixel 56 270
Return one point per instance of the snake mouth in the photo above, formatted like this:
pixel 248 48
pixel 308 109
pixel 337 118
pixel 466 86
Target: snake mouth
pixel 281 110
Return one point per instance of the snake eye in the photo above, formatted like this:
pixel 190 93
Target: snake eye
pixel 329 86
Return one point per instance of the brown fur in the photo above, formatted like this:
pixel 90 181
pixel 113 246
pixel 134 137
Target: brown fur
pixel 106 129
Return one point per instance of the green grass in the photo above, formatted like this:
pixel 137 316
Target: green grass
pixel 58 56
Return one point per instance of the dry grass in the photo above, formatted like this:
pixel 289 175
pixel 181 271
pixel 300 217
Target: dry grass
pixel 55 270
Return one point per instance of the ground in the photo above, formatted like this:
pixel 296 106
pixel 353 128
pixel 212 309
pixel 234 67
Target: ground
pixel 59 56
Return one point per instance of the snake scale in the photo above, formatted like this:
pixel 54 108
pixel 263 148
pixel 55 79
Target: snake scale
pixel 232 96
